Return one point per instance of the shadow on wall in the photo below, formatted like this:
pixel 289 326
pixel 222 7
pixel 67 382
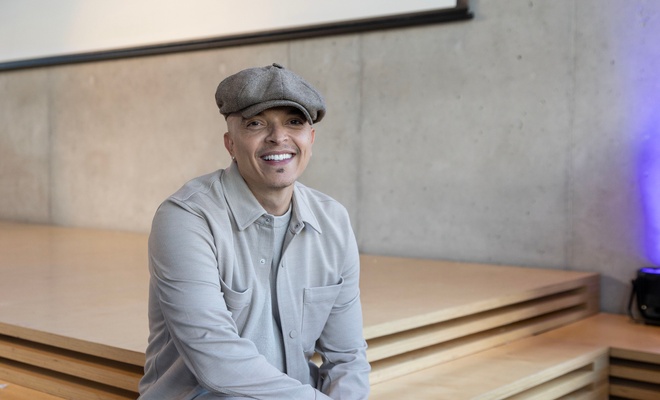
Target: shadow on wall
pixel 621 289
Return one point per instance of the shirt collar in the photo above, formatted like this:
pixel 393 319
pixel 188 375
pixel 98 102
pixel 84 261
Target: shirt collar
pixel 302 212
pixel 246 209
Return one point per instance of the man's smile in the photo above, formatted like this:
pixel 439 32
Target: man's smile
pixel 277 157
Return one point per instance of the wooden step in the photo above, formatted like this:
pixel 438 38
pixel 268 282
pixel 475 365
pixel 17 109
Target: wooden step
pixel 633 389
pixel 407 363
pixel 528 368
pixel 575 361
pixel 96 369
pixel 635 370
pixel 634 352
pixel 444 310
pixel 403 294
pixel 414 339
pixel 12 391
pixel 58 384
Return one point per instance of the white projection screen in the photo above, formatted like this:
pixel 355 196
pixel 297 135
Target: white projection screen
pixel 46 32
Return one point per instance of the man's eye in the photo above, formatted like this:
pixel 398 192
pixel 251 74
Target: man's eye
pixel 296 122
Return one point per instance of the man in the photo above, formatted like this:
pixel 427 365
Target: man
pixel 252 272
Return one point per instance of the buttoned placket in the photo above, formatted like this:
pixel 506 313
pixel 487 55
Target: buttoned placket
pixel 291 334
pixel 263 255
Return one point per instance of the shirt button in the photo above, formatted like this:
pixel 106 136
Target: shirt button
pixel 262 261
pixel 293 334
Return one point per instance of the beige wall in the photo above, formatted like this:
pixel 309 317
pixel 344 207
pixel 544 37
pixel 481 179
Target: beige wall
pixel 509 139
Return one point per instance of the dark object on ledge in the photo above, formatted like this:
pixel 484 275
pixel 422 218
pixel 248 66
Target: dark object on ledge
pixel 646 293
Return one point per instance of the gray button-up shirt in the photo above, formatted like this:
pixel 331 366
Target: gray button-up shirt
pixel 210 297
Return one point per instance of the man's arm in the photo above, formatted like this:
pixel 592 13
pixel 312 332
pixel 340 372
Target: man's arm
pixel 184 269
pixel 345 370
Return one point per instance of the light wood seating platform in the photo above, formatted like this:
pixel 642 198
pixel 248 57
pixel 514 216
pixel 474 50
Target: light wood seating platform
pixel 419 313
pixel 73 311
pixel 571 362
pixel 634 352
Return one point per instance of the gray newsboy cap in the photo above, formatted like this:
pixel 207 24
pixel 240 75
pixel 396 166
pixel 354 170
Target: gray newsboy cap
pixel 254 90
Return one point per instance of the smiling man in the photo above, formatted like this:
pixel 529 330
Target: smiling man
pixel 252 273
pixel 271 150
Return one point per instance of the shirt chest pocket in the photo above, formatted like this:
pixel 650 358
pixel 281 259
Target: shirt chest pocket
pixel 238 303
pixel 317 305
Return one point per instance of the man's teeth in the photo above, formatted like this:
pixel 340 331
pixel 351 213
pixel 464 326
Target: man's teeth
pixel 277 157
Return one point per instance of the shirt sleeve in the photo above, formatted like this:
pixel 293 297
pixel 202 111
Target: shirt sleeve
pixel 184 271
pixel 345 370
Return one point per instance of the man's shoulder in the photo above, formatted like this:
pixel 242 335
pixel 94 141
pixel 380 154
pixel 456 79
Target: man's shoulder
pixel 201 186
pixel 318 200
pixel 314 194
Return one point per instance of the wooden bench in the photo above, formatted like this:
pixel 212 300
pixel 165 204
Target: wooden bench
pixel 590 359
pixel 73 317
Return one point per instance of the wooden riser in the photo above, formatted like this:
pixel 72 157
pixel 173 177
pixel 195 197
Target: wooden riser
pixel 625 389
pixel 414 339
pixel 631 379
pixel 587 382
pixel 594 392
pixel 60 385
pixel 645 351
pixel 400 295
pixel 406 363
pixel 596 357
pixel 98 350
pixel 634 352
pixel 632 370
pixel 530 368
pixel 104 371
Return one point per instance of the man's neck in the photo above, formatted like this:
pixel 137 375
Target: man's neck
pixel 275 202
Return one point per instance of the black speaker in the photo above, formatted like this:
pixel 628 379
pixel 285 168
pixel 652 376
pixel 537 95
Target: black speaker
pixel 646 292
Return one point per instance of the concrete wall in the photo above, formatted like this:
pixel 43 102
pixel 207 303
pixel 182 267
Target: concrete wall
pixel 513 138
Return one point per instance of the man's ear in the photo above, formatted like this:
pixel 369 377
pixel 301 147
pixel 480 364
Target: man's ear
pixel 229 144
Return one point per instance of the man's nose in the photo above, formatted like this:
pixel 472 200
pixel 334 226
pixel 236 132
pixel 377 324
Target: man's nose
pixel 277 133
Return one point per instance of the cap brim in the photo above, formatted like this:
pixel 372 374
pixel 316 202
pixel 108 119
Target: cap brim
pixel 257 108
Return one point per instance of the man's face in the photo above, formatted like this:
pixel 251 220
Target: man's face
pixel 272 149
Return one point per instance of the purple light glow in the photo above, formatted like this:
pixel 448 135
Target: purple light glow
pixel 650 187
pixel 651 270
pixel 639 57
